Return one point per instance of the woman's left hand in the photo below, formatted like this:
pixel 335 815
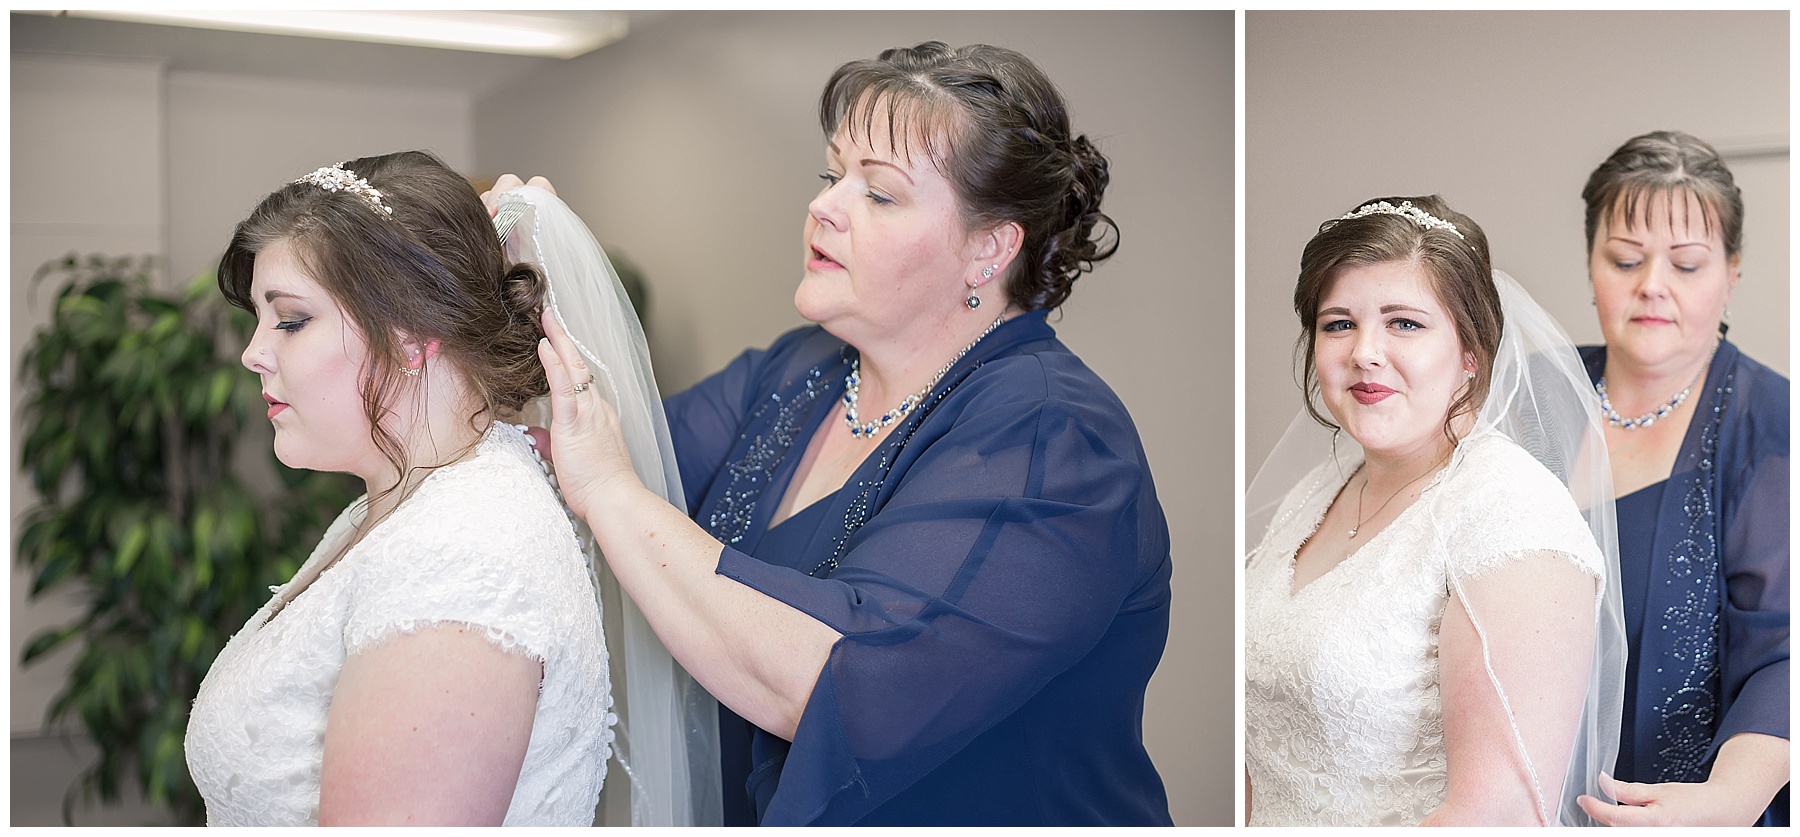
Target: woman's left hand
pixel 591 456
pixel 1666 803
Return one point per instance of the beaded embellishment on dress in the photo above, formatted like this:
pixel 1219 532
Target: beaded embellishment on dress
pixel 1688 710
pixel 752 472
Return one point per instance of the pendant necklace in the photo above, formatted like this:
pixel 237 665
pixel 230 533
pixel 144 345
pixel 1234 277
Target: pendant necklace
pixel 1390 499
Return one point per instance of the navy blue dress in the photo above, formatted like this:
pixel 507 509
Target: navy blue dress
pixel 998 567
pixel 1703 567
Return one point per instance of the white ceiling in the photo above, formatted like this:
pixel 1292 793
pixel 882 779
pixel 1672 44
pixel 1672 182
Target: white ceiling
pixel 281 56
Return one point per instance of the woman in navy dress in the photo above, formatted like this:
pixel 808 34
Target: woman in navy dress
pixel 1698 437
pixel 925 565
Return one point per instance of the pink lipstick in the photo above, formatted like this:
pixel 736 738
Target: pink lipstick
pixel 820 260
pixel 274 406
pixel 1368 393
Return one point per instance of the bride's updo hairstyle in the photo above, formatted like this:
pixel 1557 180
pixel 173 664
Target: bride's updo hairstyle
pixel 404 246
pixel 1665 164
pixel 1446 245
pixel 992 122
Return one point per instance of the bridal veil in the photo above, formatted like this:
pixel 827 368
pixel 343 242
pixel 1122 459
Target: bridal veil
pixel 668 741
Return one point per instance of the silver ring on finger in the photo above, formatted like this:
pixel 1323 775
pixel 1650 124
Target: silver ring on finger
pixel 583 387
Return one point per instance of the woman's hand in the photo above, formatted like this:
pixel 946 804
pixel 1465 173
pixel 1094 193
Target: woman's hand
pixel 506 183
pixel 591 456
pixel 1747 773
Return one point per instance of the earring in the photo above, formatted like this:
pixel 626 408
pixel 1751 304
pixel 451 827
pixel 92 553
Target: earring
pixel 1468 374
pixel 409 370
pixel 974 301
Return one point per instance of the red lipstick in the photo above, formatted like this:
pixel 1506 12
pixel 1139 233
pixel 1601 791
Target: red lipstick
pixel 274 406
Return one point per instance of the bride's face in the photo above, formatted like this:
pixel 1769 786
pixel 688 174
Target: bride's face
pixel 311 359
pixel 1388 359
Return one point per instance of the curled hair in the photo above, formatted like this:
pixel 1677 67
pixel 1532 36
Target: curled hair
pixel 433 270
pixel 1458 270
pixel 1006 147
pixel 1665 163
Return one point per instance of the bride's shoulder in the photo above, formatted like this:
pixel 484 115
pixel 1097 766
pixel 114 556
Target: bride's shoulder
pixel 494 496
pixel 1493 463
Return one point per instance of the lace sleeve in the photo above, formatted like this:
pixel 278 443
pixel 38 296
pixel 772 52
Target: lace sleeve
pixel 486 546
pixel 1500 505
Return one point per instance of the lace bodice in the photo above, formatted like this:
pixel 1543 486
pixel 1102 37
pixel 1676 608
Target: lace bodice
pixel 1342 721
pixel 483 542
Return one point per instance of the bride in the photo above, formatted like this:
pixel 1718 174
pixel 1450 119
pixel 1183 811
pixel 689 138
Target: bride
pixel 439 659
pixel 1431 617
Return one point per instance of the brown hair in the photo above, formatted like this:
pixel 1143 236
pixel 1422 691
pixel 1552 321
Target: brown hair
pixel 1667 163
pixel 433 270
pixel 1458 270
pixel 1008 151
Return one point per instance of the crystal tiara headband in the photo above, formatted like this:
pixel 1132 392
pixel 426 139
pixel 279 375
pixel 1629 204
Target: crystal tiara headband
pixel 339 179
pixel 1405 210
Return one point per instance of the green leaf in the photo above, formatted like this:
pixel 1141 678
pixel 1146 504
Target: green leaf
pixel 48 641
pixel 220 393
pixel 131 548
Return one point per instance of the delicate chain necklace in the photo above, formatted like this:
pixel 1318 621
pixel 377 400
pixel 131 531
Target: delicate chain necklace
pixel 853 388
pixel 1615 420
pixel 1390 499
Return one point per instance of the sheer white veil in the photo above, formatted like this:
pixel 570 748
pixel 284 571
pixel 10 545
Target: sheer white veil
pixel 668 740
pixel 1539 397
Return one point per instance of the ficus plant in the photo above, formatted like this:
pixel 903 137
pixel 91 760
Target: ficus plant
pixel 134 402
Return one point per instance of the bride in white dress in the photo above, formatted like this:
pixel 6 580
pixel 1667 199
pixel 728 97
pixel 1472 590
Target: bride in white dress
pixel 1430 618
pixel 439 659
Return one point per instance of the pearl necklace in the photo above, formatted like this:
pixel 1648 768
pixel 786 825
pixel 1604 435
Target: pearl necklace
pixel 853 389
pixel 1615 420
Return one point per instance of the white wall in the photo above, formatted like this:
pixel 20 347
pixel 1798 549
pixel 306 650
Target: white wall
pixel 1504 114
pixel 693 147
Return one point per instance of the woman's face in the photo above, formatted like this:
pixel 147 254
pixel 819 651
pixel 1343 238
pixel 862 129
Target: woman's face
pixel 1661 282
pixel 311 359
pixel 886 255
pixel 1388 359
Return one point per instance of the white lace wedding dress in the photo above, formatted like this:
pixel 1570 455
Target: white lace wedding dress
pixel 1342 721
pixel 483 542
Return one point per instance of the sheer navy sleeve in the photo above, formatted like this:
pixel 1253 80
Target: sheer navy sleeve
pixel 1754 664
pixel 1015 566
pixel 703 421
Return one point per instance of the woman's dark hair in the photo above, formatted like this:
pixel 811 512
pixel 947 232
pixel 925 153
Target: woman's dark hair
pixel 1007 150
pixel 1458 268
pixel 430 270
pixel 1665 163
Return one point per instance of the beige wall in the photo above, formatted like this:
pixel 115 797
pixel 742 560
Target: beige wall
pixel 87 150
pixel 693 147
pixel 1504 114
pixel 124 157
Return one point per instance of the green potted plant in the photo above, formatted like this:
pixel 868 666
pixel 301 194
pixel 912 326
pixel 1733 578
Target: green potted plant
pixel 136 401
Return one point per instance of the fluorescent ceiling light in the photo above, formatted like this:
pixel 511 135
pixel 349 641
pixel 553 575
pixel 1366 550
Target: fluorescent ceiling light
pixel 560 35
